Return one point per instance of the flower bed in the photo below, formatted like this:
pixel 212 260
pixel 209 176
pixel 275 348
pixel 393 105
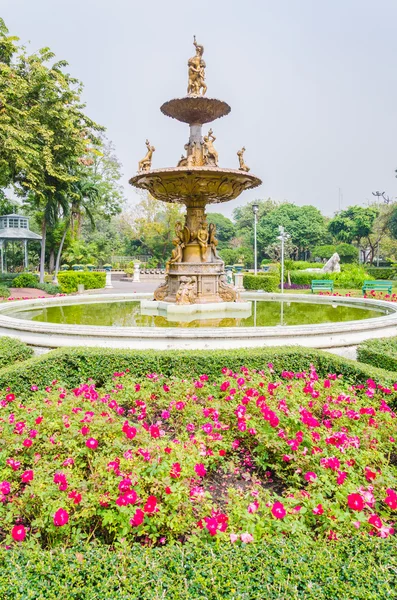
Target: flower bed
pixel 242 457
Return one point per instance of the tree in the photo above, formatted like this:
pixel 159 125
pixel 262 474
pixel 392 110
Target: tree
pixel 44 133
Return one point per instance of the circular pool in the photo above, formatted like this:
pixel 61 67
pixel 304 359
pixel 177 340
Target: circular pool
pixel 127 321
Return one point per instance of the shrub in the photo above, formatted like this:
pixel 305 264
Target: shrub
pixel 50 288
pixel 351 276
pixel 158 458
pixel 303 278
pixel 13 351
pixel 68 280
pixel 382 272
pixel 359 569
pixel 347 252
pixel 264 281
pixel 379 353
pixel 25 280
pixel 300 265
pixel 71 366
pixel 4 292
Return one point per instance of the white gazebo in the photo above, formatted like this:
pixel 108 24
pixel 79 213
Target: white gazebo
pixel 15 228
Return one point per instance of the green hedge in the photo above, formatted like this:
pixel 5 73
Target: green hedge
pixel 4 291
pixel 379 353
pixel 265 282
pixel 359 569
pixel 382 272
pixel 13 351
pixel 71 366
pixel 350 276
pixel 25 280
pixel 92 280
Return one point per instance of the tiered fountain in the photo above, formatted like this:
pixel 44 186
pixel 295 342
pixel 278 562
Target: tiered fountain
pixel 195 271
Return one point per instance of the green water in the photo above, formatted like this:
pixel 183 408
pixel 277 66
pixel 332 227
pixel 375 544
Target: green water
pixel 264 314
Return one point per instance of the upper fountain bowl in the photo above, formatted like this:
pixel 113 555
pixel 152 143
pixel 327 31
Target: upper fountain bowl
pixel 178 184
pixel 195 109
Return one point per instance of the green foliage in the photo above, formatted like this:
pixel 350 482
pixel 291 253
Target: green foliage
pixel 353 224
pixel 232 256
pixel 49 288
pixel 265 282
pixel 26 280
pixel 71 366
pixel 225 228
pixel 382 272
pixel 351 276
pixel 297 569
pixel 379 353
pixel 4 291
pixel 300 265
pixel 13 351
pixel 92 280
pixel 347 252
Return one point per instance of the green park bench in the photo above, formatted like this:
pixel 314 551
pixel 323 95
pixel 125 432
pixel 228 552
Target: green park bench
pixel 322 285
pixel 377 286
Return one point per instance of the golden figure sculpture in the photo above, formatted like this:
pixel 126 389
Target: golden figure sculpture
pixel 243 166
pixel 146 162
pixel 212 241
pixel 186 293
pixel 210 154
pixel 162 290
pixel 227 292
pixel 196 66
pixel 182 161
pixel 202 238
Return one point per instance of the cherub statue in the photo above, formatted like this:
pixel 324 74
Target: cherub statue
pixel 243 166
pixel 196 66
pixel 212 241
pixel 146 162
pixel 202 238
pixel 186 293
pixel 210 154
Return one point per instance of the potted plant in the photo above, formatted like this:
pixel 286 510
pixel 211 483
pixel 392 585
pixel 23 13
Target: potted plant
pixel 107 267
pixel 77 267
pixel 64 267
pixel 90 267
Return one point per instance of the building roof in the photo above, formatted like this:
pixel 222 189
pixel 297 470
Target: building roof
pixel 18 233
pixel 14 215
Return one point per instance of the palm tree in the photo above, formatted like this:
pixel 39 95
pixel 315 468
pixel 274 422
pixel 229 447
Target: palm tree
pixel 84 195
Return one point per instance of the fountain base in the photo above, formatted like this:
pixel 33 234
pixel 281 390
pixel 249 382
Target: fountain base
pixel 184 313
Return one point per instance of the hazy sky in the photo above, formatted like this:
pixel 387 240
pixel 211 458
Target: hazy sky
pixel 311 83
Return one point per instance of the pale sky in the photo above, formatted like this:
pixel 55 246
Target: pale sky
pixel 311 83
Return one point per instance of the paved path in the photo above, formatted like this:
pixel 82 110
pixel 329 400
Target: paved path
pixel 129 287
pixel 27 293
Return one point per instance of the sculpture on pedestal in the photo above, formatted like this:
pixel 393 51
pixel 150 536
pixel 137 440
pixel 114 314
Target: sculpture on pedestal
pixel 243 166
pixel 210 154
pixel 196 66
pixel 146 162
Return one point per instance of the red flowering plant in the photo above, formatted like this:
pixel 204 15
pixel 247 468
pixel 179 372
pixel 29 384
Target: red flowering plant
pixel 244 457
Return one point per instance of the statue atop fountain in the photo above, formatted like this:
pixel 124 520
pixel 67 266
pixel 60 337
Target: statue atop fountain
pixel 195 271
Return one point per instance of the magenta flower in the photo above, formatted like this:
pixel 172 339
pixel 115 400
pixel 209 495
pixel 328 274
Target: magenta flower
pixel 200 469
pixel 375 521
pixel 154 431
pixel 137 518
pixel 151 505
pixel 61 517
pixel 27 476
pixel 310 476
pixel 5 487
pixel 355 502
pixel 318 510
pixel 91 443
pixel 175 471
pixel 278 510
pixel 18 533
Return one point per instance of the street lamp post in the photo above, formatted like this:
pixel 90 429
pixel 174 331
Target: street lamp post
pixel 255 208
pixel 282 237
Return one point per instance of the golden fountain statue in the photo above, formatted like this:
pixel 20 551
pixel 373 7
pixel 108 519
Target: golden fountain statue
pixel 195 271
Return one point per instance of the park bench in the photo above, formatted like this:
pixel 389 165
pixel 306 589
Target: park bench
pixel 377 286
pixel 322 285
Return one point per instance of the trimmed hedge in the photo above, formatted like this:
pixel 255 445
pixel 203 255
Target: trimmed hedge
pixel 382 272
pixel 92 280
pixel 72 366
pixel 13 351
pixel 265 282
pixel 296 569
pixel 25 280
pixel 379 353
pixel 4 291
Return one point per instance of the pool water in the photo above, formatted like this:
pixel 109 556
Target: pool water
pixel 264 313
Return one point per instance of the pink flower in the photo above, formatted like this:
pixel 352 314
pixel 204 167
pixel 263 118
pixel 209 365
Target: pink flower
pixel 190 427
pixel 390 500
pixel 310 476
pixel 154 431
pixel 375 521
pixel 319 510
pixel 207 427
pixel 233 538
pixel 341 477
pixel 179 405
pixel 138 517
pixel 61 517
pixel 18 533
pixel 175 471
pixel 278 510
pixel 75 496
pixel 91 443
pixel 27 476
pixel 10 397
pixel 369 474
pixel 246 538
pixel 212 525
pixel 253 507
pixel 200 469
pixel 5 487
pixel 27 443
pixel 355 502
pixel 151 505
